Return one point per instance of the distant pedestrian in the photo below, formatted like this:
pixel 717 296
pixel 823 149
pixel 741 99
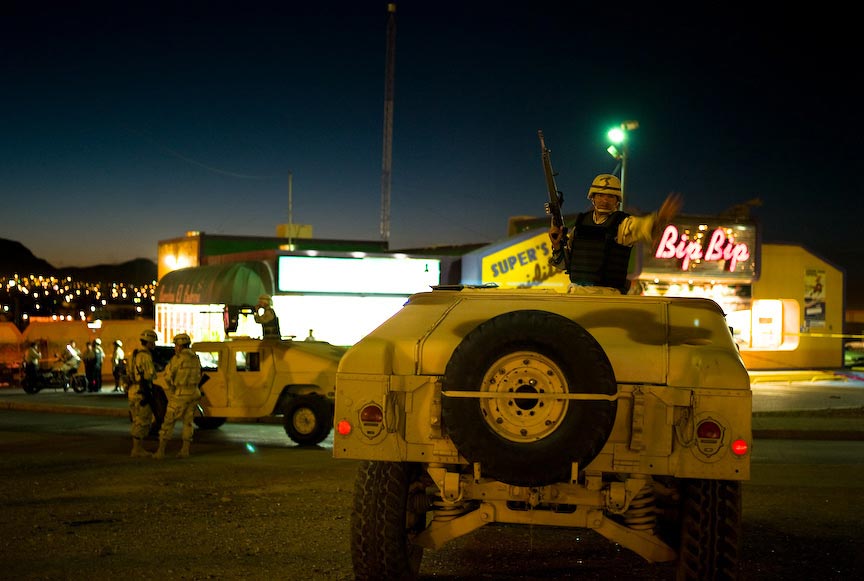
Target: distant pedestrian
pixel 140 393
pixel 31 364
pixel 89 358
pixel 70 358
pixel 182 379
pixel 118 364
pixel 99 357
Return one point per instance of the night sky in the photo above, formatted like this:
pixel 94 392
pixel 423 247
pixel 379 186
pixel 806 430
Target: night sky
pixel 126 123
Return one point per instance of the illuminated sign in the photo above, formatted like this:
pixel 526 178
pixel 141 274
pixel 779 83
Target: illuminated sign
pixel 721 246
pixel 360 275
pixel 703 248
pixel 524 264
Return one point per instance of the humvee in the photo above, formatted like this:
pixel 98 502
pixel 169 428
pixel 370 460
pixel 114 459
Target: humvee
pixel 258 378
pixel 627 415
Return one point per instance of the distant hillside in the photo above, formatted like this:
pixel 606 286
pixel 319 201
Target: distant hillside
pixel 15 258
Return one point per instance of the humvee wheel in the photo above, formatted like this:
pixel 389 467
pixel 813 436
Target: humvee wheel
pixel 523 441
pixel 308 419
pixel 710 530
pixel 390 506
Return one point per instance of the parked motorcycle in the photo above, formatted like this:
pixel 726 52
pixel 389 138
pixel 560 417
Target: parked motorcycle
pixel 54 378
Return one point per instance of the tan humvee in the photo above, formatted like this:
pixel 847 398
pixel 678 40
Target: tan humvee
pixel 627 415
pixel 255 378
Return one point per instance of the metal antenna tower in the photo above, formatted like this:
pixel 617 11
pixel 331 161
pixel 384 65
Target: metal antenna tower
pixel 387 155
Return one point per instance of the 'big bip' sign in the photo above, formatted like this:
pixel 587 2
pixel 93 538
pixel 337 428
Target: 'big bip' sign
pixel 705 248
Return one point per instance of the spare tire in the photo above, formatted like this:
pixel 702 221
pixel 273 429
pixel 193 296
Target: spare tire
pixel 529 442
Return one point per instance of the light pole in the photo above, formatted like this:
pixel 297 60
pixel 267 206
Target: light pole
pixel 618 136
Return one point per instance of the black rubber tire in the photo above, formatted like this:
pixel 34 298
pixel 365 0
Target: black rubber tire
pixel 710 530
pixel 30 387
pixel 78 383
pixel 529 442
pixel 308 419
pixel 390 506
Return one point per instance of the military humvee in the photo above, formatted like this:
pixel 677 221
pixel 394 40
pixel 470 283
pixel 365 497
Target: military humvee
pixel 627 415
pixel 255 378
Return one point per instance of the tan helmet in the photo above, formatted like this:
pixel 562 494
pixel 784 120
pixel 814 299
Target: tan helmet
pixel 149 335
pixel 605 184
pixel 265 299
pixel 182 339
pixel 97 341
pixel 118 342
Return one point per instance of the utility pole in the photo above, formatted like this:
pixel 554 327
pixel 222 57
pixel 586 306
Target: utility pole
pixel 387 155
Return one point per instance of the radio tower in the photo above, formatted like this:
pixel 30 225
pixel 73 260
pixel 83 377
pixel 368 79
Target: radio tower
pixel 387 156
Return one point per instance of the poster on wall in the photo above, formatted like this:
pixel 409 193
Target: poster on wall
pixel 814 299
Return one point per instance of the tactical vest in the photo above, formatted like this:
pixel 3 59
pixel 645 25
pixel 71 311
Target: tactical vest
pixel 595 258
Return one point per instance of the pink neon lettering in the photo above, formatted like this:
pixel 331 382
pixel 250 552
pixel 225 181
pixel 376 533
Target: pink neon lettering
pixel 719 248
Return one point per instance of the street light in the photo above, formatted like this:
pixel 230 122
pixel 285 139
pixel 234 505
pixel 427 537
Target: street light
pixel 618 136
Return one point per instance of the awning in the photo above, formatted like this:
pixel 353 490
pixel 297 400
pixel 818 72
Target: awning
pixel 236 283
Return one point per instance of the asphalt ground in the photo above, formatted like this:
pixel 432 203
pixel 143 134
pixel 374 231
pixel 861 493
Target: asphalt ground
pixel 799 404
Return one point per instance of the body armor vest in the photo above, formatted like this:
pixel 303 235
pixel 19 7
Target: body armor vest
pixel 595 258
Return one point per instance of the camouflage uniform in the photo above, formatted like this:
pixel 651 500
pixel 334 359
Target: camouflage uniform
pixel 141 368
pixel 182 376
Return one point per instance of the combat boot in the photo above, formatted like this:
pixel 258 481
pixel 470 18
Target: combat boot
pixel 138 450
pixel 184 451
pixel 160 453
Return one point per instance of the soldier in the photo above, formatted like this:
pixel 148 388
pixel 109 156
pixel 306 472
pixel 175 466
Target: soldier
pixel 31 364
pixel 182 378
pixel 118 364
pixel 140 392
pixel 266 317
pixel 598 249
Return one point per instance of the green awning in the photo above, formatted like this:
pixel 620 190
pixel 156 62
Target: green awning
pixel 236 283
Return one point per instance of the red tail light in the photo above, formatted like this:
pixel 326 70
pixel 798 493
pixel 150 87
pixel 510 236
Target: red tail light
pixel 740 447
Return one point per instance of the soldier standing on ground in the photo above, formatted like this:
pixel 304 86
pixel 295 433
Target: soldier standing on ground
pixel 182 378
pixel 140 391
pixel 266 317
pixel 89 358
pixel 118 364
pixel 31 363
pixel 99 358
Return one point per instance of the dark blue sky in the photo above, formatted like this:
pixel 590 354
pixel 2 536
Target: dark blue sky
pixel 195 112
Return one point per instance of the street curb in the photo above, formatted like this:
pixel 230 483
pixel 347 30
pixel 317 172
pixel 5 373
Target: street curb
pixel 848 435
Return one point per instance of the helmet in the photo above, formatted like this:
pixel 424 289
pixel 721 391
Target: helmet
pixel 118 342
pixel 182 339
pixel 605 184
pixel 265 299
pixel 149 335
pixel 97 341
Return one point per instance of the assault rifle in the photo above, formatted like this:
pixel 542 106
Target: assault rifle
pixel 556 198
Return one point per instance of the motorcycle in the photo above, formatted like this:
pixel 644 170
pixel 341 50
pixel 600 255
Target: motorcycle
pixel 58 377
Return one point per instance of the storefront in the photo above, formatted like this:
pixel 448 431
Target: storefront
pixel 784 304
pixel 336 297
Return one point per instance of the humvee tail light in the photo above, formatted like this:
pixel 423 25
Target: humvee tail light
pixel 371 413
pixel 740 447
pixel 709 429
pixel 343 427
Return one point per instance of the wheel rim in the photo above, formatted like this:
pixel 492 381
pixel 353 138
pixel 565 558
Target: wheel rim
pixel 304 421
pixel 524 419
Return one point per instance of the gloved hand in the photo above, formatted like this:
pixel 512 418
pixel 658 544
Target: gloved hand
pixel 556 235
